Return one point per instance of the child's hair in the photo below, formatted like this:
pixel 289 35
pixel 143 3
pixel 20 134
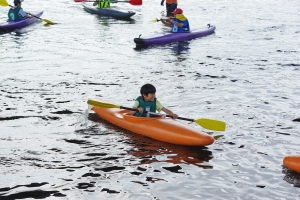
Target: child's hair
pixel 147 88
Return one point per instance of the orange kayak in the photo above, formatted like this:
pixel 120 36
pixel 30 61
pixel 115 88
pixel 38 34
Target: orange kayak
pixel 163 129
pixel 292 162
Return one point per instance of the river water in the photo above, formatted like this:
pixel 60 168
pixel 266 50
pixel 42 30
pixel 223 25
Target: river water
pixel 245 74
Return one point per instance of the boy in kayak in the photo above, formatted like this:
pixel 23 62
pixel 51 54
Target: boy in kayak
pixel 104 3
pixel 171 5
pixel 16 12
pixel 179 22
pixel 148 102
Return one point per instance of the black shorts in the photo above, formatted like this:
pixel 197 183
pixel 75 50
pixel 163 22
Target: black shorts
pixel 170 9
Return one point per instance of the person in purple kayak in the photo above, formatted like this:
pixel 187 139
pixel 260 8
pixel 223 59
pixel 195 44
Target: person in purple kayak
pixel 16 12
pixel 179 22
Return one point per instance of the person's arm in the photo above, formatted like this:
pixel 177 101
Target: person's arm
pixel 176 23
pixel 141 110
pixel 162 2
pixel 166 22
pixel 135 106
pixel 95 3
pixel 29 16
pixel 132 112
pixel 23 14
pixel 169 112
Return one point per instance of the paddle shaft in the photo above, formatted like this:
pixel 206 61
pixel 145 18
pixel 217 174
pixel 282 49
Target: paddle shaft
pixel 34 16
pixel 134 109
pixel 97 1
pixel 132 2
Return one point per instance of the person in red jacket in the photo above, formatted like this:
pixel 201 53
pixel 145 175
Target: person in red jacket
pixel 171 5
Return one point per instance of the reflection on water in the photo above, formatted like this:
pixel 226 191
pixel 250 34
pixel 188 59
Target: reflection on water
pixel 148 150
pixel 291 177
pixel 177 47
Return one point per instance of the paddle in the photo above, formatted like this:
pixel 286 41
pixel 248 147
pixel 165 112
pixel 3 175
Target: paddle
pixel 4 3
pixel 132 2
pixel 157 20
pixel 205 123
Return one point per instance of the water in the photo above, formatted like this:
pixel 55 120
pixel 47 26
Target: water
pixel 245 74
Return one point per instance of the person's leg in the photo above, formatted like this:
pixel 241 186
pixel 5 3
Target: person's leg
pixel 169 11
pixel 173 7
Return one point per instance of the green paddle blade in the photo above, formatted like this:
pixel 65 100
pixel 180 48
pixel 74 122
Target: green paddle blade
pixel 102 104
pixel 3 3
pixel 211 124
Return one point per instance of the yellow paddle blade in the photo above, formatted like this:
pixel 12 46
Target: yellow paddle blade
pixel 48 21
pixel 102 104
pixel 155 20
pixel 211 124
pixel 3 3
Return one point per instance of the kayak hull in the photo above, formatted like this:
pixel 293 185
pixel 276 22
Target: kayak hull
pixel 15 24
pixel 292 162
pixel 163 129
pixel 109 12
pixel 169 37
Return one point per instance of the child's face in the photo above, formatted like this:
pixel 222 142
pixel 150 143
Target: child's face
pixel 150 97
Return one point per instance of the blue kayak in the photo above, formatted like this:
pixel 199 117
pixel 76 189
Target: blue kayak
pixel 109 12
pixel 16 24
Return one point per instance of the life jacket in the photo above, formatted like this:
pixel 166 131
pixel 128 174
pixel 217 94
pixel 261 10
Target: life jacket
pixel 13 13
pixel 104 4
pixel 147 106
pixel 180 18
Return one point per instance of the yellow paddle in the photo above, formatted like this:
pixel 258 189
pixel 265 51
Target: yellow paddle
pixel 4 3
pixel 204 122
pixel 157 20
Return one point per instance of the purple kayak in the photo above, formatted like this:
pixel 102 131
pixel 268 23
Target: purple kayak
pixel 169 37
pixel 15 24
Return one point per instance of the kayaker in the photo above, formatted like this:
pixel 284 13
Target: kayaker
pixel 148 102
pixel 171 5
pixel 16 12
pixel 104 3
pixel 179 22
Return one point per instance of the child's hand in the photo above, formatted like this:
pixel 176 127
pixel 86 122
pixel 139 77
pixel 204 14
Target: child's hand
pixel 141 110
pixel 175 116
